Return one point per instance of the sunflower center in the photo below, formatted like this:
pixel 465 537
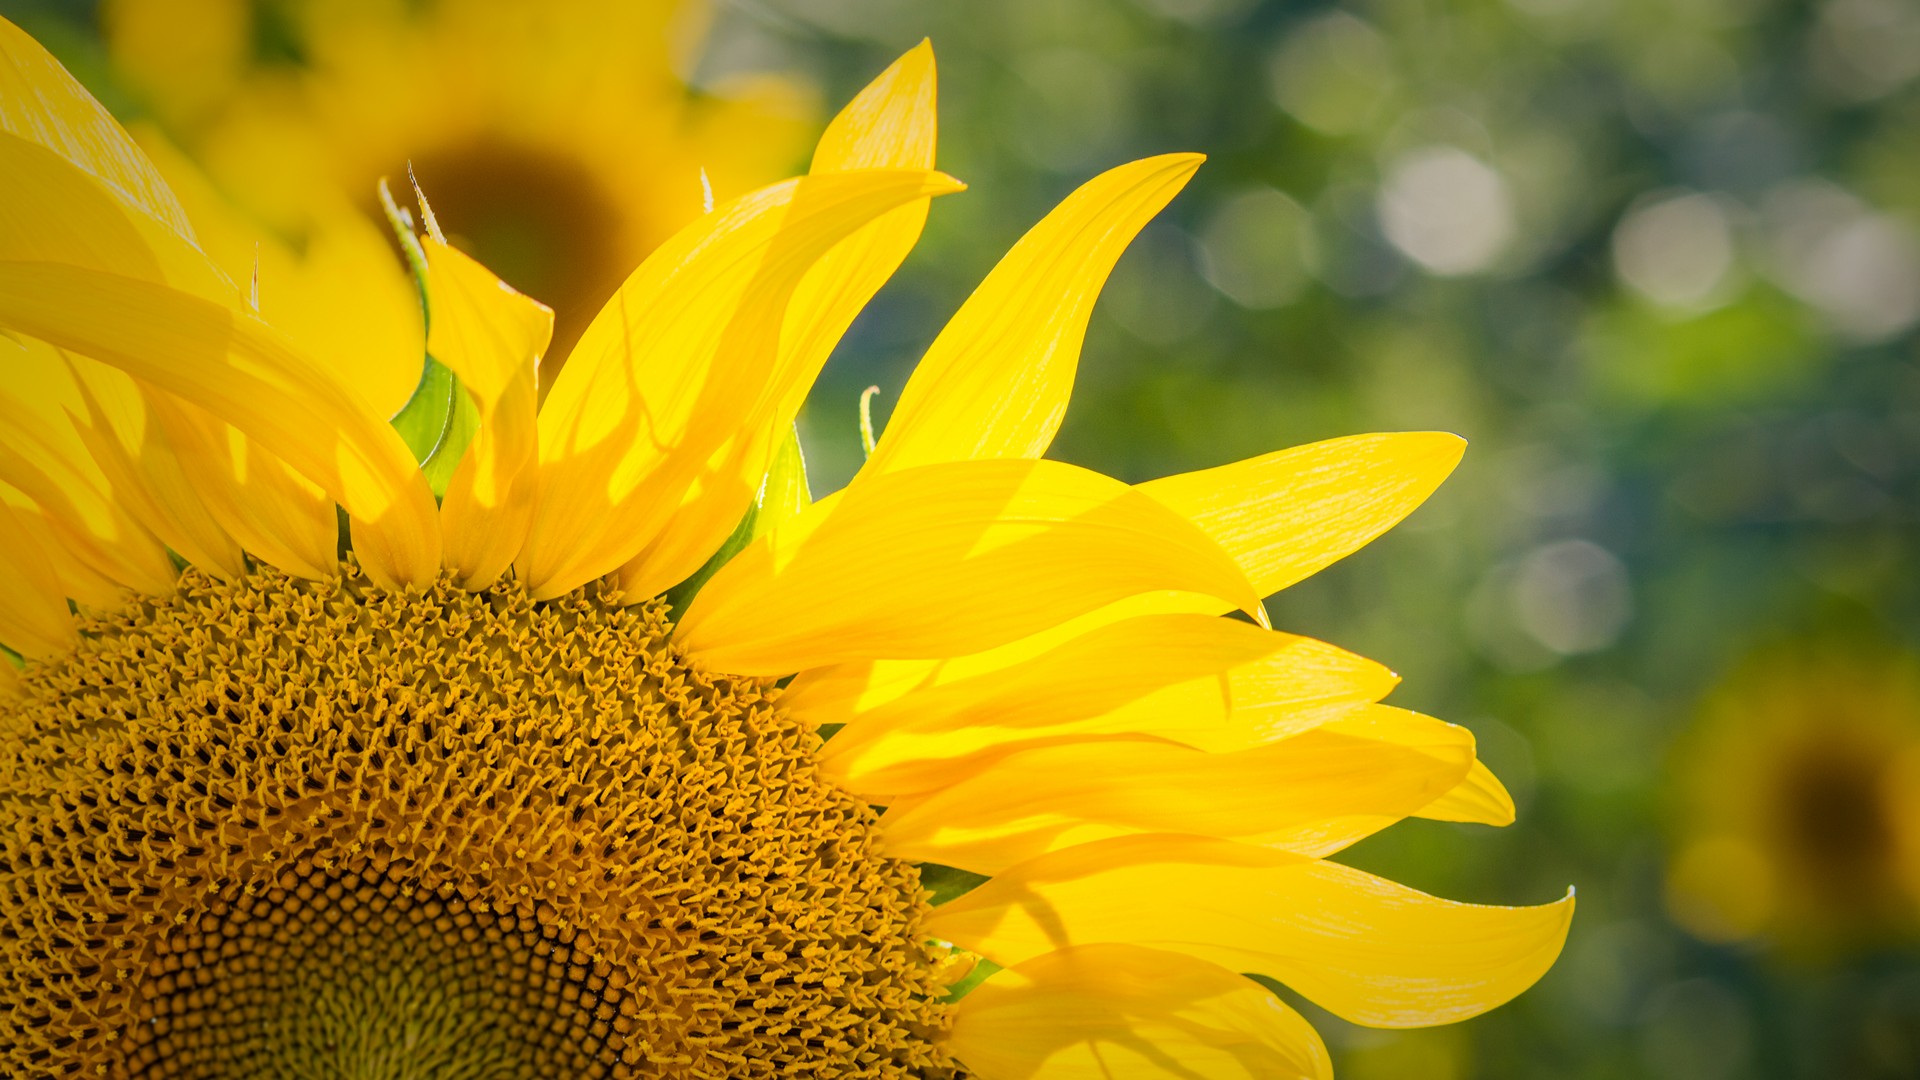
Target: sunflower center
pixel 358 974
pixel 284 828
pixel 538 219
pixel 1835 822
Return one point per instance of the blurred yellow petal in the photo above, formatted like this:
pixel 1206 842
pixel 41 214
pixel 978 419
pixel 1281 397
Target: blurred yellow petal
pixel 995 382
pixel 1211 683
pixel 1366 949
pixel 34 620
pixel 945 560
pixel 41 103
pixel 243 372
pixel 1480 798
pixel 145 469
pixel 1120 1012
pixel 1286 515
pixel 492 337
pixel 889 125
pixel 183 55
pixel 1313 793
pixel 677 362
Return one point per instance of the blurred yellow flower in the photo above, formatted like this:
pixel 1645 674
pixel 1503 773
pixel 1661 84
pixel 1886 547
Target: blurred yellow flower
pixel 557 135
pixel 521 774
pixel 1802 802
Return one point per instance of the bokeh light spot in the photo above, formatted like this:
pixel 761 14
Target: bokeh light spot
pixel 1446 210
pixel 1676 251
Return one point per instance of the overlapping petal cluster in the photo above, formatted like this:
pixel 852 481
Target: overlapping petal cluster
pixel 1033 667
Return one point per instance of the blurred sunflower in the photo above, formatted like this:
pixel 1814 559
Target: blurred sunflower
pixel 1802 812
pixel 528 779
pixel 541 129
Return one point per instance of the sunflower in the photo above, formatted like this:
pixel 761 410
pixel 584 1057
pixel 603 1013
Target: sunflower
pixel 504 755
pixel 1802 822
pixel 539 128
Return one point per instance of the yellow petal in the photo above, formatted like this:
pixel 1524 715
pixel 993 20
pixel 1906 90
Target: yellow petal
pixel 1285 515
pixel 1480 798
pixel 677 363
pixel 839 693
pixel 1211 683
pixel 995 382
pixel 889 125
pixel 145 470
pixel 77 577
pixel 44 458
pixel 492 337
pixel 69 217
pixel 34 620
pixel 40 102
pixel 278 516
pixel 52 211
pixel 246 374
pixel 1108 1012
pixel 946 560
pixel 1368 950
pixel 1313 793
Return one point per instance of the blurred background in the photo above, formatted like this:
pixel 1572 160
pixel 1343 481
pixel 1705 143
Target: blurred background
pixel 1658 262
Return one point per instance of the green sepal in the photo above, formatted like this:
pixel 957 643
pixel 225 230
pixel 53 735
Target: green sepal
pixel 416 256
pixel 438 423
pixel 783 495
pixel 682 594
pixel 948 882
pixel 463 423
pixel 423 421
pixel 983 969
pixel 9 656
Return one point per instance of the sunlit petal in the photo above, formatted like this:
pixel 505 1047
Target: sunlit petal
pixel 1121 1012
pixel 1364 948
pixel 1211 683
pixel 889 125
pixel 946 560
pixel 677 361
pixel 492 337
pixel 1288 514
pixel 244 373
pixel 1313 793
pixel 995 382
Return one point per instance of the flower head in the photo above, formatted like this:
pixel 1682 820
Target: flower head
pixel 503 749
pixel 1800 820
